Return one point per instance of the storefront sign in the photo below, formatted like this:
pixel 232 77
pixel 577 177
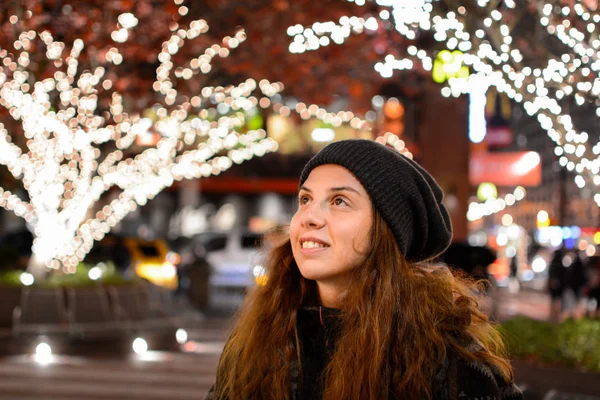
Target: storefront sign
pixel 506 168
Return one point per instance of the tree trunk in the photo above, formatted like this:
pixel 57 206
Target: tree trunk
pixel 37 267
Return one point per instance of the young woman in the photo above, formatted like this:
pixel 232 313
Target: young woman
pixel 352 309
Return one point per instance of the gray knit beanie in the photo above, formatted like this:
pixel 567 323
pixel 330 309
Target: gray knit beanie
pixel 406 196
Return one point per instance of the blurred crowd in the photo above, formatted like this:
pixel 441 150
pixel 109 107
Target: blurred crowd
pixel 573 285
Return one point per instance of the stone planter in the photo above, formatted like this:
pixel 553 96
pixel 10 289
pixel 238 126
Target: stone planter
pixel 133 299
pixel 10 297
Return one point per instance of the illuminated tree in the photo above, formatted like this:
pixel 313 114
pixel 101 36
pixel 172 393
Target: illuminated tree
pixel 543 54
pixel 72 139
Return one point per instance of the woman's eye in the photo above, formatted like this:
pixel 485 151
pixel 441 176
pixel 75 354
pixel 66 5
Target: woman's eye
pixel 338 201
pixel 303 200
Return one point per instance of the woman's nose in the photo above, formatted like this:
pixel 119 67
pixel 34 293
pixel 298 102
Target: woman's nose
pixel 313 216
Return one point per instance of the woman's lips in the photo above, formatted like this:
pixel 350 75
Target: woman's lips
pixel 313 250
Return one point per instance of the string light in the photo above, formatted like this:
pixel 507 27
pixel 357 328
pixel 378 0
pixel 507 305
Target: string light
pixel 494 205
pixel 492 53
pixel 314 111
pixel 249 105
pixel 63 169
pixel 395 142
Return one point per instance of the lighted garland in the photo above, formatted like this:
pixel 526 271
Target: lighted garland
pixel 392 140
pixel 494 205
pixel 539 89
pixel 64 171
pixel 314 111
pixel 249 106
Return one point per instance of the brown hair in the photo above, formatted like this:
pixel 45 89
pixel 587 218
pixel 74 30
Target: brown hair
pixel 391 306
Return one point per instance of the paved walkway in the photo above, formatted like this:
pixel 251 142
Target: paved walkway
pixel 529 303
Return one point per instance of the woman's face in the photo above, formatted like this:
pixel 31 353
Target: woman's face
pixel 330 231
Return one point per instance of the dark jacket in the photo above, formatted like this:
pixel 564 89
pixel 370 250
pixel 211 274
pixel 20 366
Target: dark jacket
pixel 457 379
pixel 557 277
pixel 576 275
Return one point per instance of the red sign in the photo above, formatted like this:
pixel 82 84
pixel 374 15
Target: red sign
pixel 522 168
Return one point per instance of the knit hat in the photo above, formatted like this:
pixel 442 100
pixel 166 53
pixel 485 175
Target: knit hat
pixel 406 196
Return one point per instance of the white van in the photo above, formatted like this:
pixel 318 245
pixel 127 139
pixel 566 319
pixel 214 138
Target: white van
pixel 234 257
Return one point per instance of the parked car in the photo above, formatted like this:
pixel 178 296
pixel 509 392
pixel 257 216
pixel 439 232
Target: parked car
pixel 231 255
pixel 234 258
pixel 151 260
pixel 148 259
pixel 218 267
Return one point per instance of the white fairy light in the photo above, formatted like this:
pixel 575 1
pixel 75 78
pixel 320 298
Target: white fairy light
pixel 64 171
pixel 127 20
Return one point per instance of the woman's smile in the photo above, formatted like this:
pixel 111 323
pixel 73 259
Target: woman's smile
pixel 312 245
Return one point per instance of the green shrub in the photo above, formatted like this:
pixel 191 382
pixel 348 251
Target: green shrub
pixel 580 342
pixel 81 277
pixel 11 278
pixel 572 343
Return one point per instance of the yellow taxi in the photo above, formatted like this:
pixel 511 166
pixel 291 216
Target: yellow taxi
pixel 152 260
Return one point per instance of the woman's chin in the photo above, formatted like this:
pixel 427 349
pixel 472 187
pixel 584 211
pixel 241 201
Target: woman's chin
pixel 313 274
pixel 319 275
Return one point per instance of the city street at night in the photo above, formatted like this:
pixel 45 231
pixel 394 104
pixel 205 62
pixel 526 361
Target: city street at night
pixel 299 199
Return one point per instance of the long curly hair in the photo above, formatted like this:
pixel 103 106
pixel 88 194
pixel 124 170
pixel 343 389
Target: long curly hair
pixel 399 320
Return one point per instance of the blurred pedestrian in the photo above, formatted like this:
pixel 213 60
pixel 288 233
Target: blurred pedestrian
pixel 576 281
pixel 192 257
pixel 556 284
pixel 351 308
pixel 180 291
pixel 593 292
pixel 514 267
pixel 513 281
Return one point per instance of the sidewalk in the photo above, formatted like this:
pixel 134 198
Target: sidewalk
pixel 527 302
